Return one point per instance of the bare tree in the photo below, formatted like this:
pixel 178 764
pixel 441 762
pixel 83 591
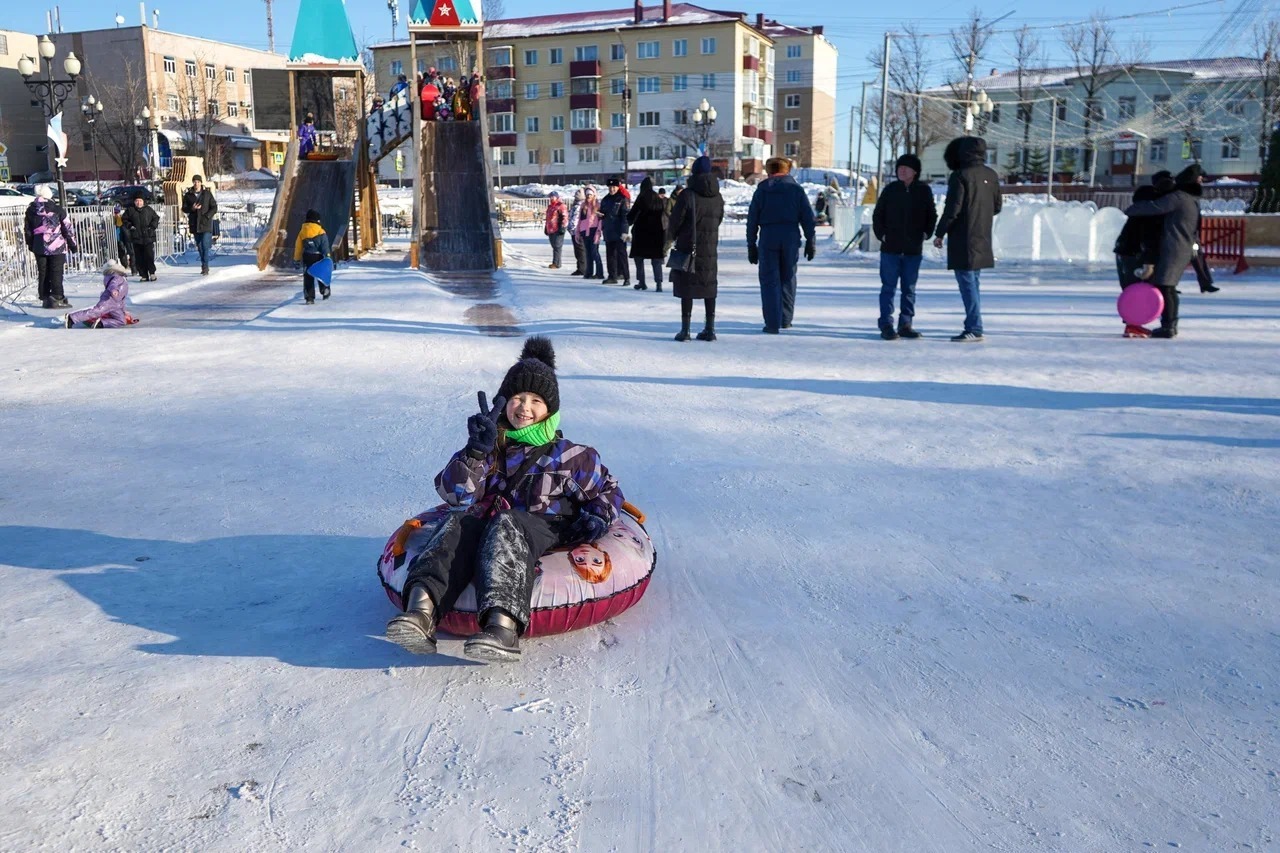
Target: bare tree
pixel 914 121
pixel 123 96
pixel 969 46
pixel 1028 60
pixel 1266 47
pixel 200 105
pixel 1097 63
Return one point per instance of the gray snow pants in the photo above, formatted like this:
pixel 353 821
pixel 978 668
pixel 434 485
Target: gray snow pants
pixel 498 553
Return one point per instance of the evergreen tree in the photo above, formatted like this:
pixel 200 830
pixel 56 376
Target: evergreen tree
pixel 1268 192
pixel 1067 162
pixel 1013 167
pixel 1037 163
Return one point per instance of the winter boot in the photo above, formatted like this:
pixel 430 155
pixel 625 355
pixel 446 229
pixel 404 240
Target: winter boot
pixel 97 324
pixel 1132 331
pixel 906 331
pixel 888 333
pixel 642 286
pixel 498 640
pixel 67 321
pixel 708 332
pixel 658 287
pixel 61 302
pixel 415 628
pixel 324 291
pixel 1165 332
pixel 204 269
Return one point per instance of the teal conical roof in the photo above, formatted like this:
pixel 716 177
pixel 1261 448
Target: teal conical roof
pixel 323 33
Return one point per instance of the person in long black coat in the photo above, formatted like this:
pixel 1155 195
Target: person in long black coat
pixel 1178 240
pixel 973 200
pixel 702 194
pixel 142 225
pixel 1137 247
pixel 648 218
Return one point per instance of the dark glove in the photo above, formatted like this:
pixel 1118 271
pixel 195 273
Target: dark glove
pixel 753 254
pixel 482 427
pixel 586 527
pixel 809 250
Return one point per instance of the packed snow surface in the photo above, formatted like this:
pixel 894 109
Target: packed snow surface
pixel 910 595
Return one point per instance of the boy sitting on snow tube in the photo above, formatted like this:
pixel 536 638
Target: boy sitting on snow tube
pixel 520 489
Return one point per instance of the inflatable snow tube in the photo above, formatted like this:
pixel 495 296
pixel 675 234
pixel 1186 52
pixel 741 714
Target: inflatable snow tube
pixel 575 587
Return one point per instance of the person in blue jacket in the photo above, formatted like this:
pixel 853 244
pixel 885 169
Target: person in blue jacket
pixel 779 212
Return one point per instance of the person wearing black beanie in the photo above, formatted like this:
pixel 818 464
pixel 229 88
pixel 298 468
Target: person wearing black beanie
pixel 521 489
pixel 903 219
pixel 311 246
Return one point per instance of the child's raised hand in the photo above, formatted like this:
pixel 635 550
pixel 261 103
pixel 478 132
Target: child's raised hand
pixel 482 427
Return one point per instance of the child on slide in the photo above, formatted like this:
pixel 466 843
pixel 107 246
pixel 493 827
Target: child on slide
pixel 518 489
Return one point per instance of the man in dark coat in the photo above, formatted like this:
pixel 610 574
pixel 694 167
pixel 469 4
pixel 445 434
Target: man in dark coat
pixel 200 206
pixel 903 219
pixel 1178 240
pixel 141 225
pixel 695 227
pixel 779 212
pixel 613 229
pixel 973 200
pixel 648 220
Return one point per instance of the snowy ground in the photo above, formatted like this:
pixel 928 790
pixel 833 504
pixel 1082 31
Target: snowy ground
pixel 911 596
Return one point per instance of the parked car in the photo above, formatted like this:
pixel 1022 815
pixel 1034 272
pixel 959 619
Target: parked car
pixel 10 197
pixel 81 198
pixel 124 194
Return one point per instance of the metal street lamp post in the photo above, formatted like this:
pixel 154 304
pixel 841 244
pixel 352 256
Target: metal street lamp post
pixel 703 117
pixel 51 94
pixel 91 109
pixel 153 139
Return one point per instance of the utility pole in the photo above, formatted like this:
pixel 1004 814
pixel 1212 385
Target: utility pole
pixel 1053 139
pixel 884 109
pixel 862 134
pixel 626 108
pixel 271 33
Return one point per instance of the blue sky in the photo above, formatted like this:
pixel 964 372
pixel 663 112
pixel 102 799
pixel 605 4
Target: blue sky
pixel 1180 33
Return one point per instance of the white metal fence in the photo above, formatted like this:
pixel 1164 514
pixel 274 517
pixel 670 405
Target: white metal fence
pixel 522 212
pixel 95 232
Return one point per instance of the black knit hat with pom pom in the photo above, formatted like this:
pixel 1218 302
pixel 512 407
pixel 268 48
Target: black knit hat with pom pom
pixel 535 372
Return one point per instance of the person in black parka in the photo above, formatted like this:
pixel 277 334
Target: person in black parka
pixel 973 200
pixel 1137 247
pixel 648 218
pixel 142 226
pixel 702 194
pixel 903 219
pixel 613 229
pixel 1179 237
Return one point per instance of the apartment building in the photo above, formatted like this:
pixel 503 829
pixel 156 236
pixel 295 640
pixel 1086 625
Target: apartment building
pixel 22 134
pixel 805 118
pixel 582 96
pixel 1147 117
pixel 198 93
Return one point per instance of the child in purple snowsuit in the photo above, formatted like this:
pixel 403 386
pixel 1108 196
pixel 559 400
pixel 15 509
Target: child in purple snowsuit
pixel 109 313
pixel 307 137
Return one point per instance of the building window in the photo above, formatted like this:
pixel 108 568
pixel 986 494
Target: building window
pixel 584 86
pixel 1160 102
pixel 1159 150
pixel 994 118
pixel 793 76
pixel 680 47
pixel 618 120
pixel 1024 113
pixel 190 65
pixel 171 101
pixel 584 119
pixel 1061 105
pixel 422 65
pixel 1191 149
pixel 650 85
pixel 557 122
pixel 650 119
pixel 500 90
pixel 248 77
pixel 588 155
pixel 617 86
pixel 792 125
pixel 993 155
pixel 531 124
pixel 793 51
pixel 649 152
pixel 1230 148
pixel 791 101
pixel 229 74
pixel 1126 107
pixel 1195 103
pixel 708 81
pixel 507 157
pixel 617 52
pixel 557 58
pixel 1235 107
pixel 533 156
pixel 620 153
pixel 586 53
pixel 680 82
pixel 193 106
pixel 531 91
pixel 531 58
pixel 557 90
pixel 397 68
pixel 708 46
pixel 4 45
pixel 502 122
pixel 648 50
pixel 210 73
pixel 501 56
pixel 1094 111
pixel 170 65
pixel 213 108
pixel 446 63
pixel 680 117
pixel 557 155
pixel 791 149
pixel 233 109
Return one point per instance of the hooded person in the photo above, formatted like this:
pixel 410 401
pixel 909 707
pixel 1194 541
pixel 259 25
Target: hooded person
pixel 579 251
pixel 973 200
pixel 311 246
pixel 555 224
pixel 308 136
pixel 49 236
pixel 780 214
pixel 1137 247
pixel 648 220
pixel 903 219
pixel 694 230
pixel 1179 236
pixel 520 489
pixel 109 313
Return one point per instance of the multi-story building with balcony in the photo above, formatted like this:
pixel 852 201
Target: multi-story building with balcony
pixel 805 114
pixel 582 96
pixel 22 134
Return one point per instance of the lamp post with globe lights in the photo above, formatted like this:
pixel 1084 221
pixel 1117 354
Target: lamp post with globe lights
pixel 145 125
pixel 703 118
pixel 51 93
pixel 91 109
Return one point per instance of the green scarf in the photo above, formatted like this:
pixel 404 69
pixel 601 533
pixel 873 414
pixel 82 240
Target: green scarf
pixel 536 435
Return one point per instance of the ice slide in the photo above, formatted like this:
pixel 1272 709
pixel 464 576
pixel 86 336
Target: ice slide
pixel 328 186
pixel 456 228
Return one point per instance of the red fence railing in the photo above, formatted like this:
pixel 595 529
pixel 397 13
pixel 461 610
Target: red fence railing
pixel 1222 241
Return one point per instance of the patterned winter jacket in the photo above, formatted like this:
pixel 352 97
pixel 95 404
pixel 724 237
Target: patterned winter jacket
pixel 565 478
pixel 48 229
